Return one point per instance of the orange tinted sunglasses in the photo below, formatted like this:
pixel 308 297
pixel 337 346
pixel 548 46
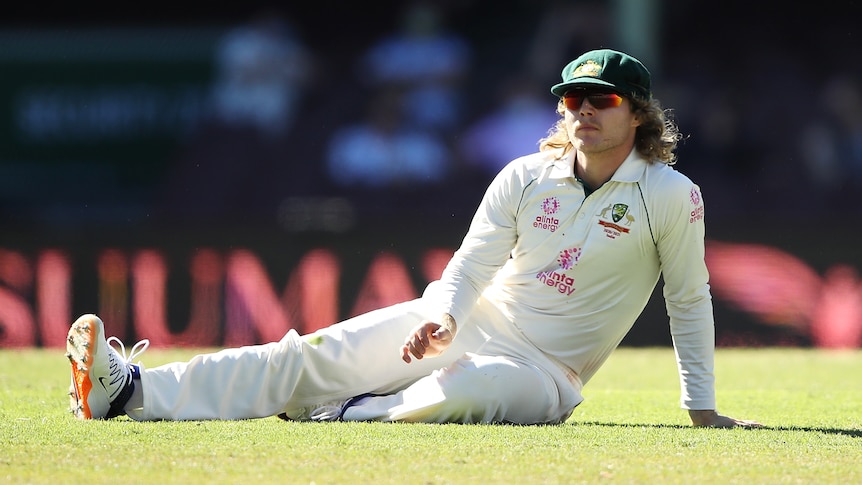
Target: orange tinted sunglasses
pixel 599 100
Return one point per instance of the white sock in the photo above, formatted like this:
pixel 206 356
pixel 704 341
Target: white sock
pixel 135 407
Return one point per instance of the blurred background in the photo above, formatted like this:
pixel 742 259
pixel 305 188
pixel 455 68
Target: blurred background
pixel 218 176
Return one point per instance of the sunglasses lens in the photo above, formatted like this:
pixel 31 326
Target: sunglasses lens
pixel 574 100
pixel 605 101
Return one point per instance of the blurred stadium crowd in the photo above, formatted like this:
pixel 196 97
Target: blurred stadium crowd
pixel 142 136
pixel 314 119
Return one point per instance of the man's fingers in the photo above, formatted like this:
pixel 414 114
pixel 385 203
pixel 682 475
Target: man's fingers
pixel 407 350
pixel 721 421
pixel 745 423
pixel 729 422
pixel 424 340
pixel 442 334
pixel 419 343
pixel 413 346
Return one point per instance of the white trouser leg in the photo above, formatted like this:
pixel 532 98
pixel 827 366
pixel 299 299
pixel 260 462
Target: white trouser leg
pixel 473 389
pixel 503 379
pixel 356 356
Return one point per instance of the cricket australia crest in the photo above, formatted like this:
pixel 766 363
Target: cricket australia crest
pixel 619 212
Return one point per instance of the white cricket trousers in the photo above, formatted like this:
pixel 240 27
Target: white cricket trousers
pixel 489 374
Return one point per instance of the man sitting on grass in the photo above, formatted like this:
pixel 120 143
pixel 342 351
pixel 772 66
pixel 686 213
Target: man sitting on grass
pixel 560 259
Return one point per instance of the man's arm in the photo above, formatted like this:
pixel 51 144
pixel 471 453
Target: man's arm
pixel 680 244
pixel 689 305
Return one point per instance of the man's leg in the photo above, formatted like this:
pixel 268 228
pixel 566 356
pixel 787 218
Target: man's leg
pixel 357 356
pixel 474 389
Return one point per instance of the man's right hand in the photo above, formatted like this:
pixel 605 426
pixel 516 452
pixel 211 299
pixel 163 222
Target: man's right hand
pixel 428 339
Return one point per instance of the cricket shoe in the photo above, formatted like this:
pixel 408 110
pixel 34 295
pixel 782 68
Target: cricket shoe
pixel 103 380
pixel 328 411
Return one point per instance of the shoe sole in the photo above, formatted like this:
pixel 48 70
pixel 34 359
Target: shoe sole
pixel 80 349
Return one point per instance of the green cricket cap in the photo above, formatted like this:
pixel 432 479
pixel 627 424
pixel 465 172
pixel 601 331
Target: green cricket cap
pixel 606 68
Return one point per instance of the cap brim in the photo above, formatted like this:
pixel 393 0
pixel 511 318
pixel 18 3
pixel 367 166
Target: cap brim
pixel 560 89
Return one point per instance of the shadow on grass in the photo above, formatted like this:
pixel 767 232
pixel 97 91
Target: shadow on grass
pixel 853 433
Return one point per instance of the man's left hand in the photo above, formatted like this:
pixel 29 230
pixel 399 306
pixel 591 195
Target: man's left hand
pixel 711 418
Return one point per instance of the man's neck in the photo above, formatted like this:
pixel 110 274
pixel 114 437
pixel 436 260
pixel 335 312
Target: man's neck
pixel 595 169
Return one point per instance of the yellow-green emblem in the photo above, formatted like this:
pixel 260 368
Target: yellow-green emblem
pixel 590 68
pixel 619 211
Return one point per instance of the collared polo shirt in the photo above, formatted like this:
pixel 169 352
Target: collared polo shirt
pixel 574 272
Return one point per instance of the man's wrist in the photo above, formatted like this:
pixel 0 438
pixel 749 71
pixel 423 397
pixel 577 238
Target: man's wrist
pixel 447 321
pixel 702 416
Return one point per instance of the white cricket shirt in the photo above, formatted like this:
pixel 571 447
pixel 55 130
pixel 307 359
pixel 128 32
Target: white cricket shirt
pixel 575 272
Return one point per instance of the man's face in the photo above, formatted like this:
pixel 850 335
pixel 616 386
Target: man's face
pixel 599 121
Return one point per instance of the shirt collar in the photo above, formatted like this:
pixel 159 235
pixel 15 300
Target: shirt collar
pixel 631 170
pixel 563 166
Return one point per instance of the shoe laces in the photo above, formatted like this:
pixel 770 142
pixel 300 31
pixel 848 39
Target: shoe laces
pixel 137 349
pixel 329 411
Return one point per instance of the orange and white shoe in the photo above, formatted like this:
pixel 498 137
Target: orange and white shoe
pixel 103 380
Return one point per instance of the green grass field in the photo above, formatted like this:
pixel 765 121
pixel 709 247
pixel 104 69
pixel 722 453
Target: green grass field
pixel 629 430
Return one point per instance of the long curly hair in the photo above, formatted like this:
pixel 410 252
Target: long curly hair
pixel 656 138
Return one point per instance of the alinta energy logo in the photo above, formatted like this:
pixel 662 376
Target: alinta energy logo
pixel 547 221
pixel 619 221
pixel 696 201
pixel 559 280
pixel 569 258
